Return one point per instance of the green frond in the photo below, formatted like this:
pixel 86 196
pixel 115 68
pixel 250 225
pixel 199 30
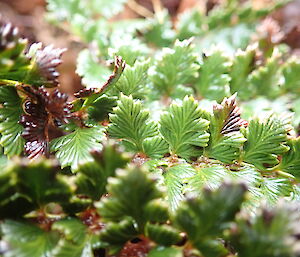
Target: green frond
pixel 225 136
pixel 92 72
pixel 213 82
pixel 158 29
pixel 131 123
pixel 202 223
pixel 130 191
pixel 266 79
pixel 266 139
pixel 269 234
pixel 133 79
pixel 273 188
pixel 35 241
pixel 290 161
pixel 174 66
pixel 174 180
pixel 131 49
pixel 242 65
pixel 291 74
pixel 207 176
pixel 91 177
pixel 189 24
pixel 10 129
pixel 184 128
pixel 74 148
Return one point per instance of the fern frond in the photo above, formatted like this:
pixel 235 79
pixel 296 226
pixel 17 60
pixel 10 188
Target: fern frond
pixel 184 128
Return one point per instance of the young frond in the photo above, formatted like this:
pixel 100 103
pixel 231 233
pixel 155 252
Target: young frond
pixel 175 66
pixel 226 138
pixel 183 126
pixel 213 82
pixel 132 124
pixel 266 139
pixel 74 148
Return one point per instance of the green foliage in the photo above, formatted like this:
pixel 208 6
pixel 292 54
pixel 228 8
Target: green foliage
pixel 74 148
pixel 30 186
pixel 291 71
pixel 92 72
pixel 226 139
pixel 271 232
pixel 92 177
pixel 241 67
pixel 165 252
pixel 130 206
pixel 174 179
pixel 131 124
pixel 99 200
pixel 184 128
pixel 75 239
pixel 213 82
pixel 10 130
pixel 198 218
pixel 290 160
pixel 133 80
pixel 99 110
pixel 266 79
pixel 174 66
pixel 35 241
pixel 265 141
pixel 131 202
pixel 189 24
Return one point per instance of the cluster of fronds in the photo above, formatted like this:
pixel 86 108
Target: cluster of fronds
pixel 149 158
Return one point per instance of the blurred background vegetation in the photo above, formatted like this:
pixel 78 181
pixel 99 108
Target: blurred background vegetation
pixel 29 16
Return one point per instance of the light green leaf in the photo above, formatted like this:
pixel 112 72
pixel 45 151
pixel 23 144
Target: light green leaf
pixel 213 82
pixel 158 30
pixel 207 176
pixel 130 48
pixel 10 129
pixel 92 72
pixel 291 74
pixel 266 79
pixel 133 79
pixel 189 24
pixel 265 140
pixel 26 240
pixel 107 8
pixel 131 124
pixel 274 188
pixel 174 179
pixel 74 149
pixel 174 66
pixel 241 67
pixel 184 128
pixel 290 161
